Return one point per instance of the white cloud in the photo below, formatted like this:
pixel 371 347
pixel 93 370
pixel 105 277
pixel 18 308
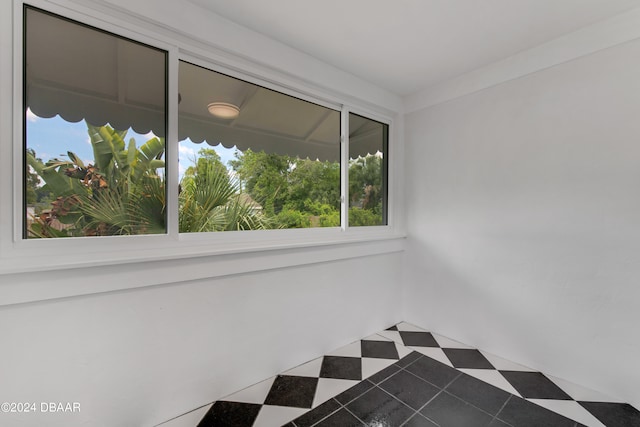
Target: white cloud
pixel 186 151
pixel 31 117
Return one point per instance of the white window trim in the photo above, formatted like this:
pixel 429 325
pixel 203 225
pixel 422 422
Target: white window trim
pixel 18 255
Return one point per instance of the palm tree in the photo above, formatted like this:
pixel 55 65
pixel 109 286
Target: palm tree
pixel 211 201
pixel 123 192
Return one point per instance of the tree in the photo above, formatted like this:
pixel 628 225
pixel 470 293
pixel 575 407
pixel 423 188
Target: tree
pixel 211 201
pixel 265 178
pixel 120 193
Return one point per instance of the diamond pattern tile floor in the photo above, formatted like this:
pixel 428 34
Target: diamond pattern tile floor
pixel 406 376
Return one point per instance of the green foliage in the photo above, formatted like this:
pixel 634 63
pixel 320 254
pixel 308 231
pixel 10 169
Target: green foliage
pixel 210 201
pixel 265 178
pixel 363 217
pixel 290 218
pixel 121 193
pixel 296 193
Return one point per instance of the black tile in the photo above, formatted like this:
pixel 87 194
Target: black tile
pixel 467 358
pixel 291 424
pixel 345 368
pixel 521 413
pixel 534 385
pixel 497 423
pixel 342 418
pixel 409 389
pixel 355 391
pixel 376 407
pixel 435 372
pixel 408 359
pixel 418 339
pixel 419 421
pixel 293 391
pixel 485 396
pixel 449 411
pixel 384 374
pixel 379 349
pixel 613 414
pixel 230 414
pixel 393 328
pixel 310 418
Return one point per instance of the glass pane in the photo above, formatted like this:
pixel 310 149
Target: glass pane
pixel 95 114
pixel 368 157
pixel 253 158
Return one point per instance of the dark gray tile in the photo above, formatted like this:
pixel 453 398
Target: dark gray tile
pixel 418 339
pixel 345 368
pixel 485 396
pixel 340 418
pixel 376 407
pixel 408 359
pixel 497 423
pixel 419 421
pixel 288 390
pixel 521 413
pixel 310 418
pixel 613 414
pixel 435 372
pixel 393 328
pixel 355 391
pixel 384 374
pixel 409 389
pixel 534 385
pixel 379 349
pixel 449 411
pixel 230 414
pixel 467 358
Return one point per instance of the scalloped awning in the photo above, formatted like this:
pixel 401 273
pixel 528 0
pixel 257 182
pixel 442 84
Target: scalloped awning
pixel 81 73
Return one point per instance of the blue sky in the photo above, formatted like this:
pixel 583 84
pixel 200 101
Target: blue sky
pixel 53 137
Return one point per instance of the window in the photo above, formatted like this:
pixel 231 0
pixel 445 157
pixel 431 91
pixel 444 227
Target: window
pixel 95 120
pixel 368 147
pixel 128 135
pixel 253 158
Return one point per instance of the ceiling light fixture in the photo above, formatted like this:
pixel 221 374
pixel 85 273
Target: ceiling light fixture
pixel 223 110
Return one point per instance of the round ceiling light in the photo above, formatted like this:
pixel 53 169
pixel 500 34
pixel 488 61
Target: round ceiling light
pixel 223 110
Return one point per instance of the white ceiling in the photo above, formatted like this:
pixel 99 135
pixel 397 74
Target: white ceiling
pixel 408 45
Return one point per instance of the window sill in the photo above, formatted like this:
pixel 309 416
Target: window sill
pixel 25 280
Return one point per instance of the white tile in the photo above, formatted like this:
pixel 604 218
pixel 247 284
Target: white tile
pixel 504 364
pixel 189 419
pixel 569 409
pixel 350 350
pixel 578 392
pixel 445 342
pixel 392 335
pixel 434 353
pixel 402 350
pixel 256 393
pixel 330 387
pixel 492 377
pixel 372 366
pixel 271 416
pixel 404 326
pixel 309 369
pixel 376 337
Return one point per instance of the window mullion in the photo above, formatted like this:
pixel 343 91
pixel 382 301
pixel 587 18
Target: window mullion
pixel 344 169
pixel 171 143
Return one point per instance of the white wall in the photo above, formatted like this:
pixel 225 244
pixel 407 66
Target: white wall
pixel 140 357
pixel 524 219
pixel 182 338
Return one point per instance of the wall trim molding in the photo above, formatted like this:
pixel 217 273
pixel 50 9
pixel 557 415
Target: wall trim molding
pixel 585 41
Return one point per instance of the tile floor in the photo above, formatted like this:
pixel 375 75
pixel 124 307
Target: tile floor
pixel 406 376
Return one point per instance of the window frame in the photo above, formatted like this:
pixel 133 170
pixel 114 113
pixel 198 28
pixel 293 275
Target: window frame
pixel 17 253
